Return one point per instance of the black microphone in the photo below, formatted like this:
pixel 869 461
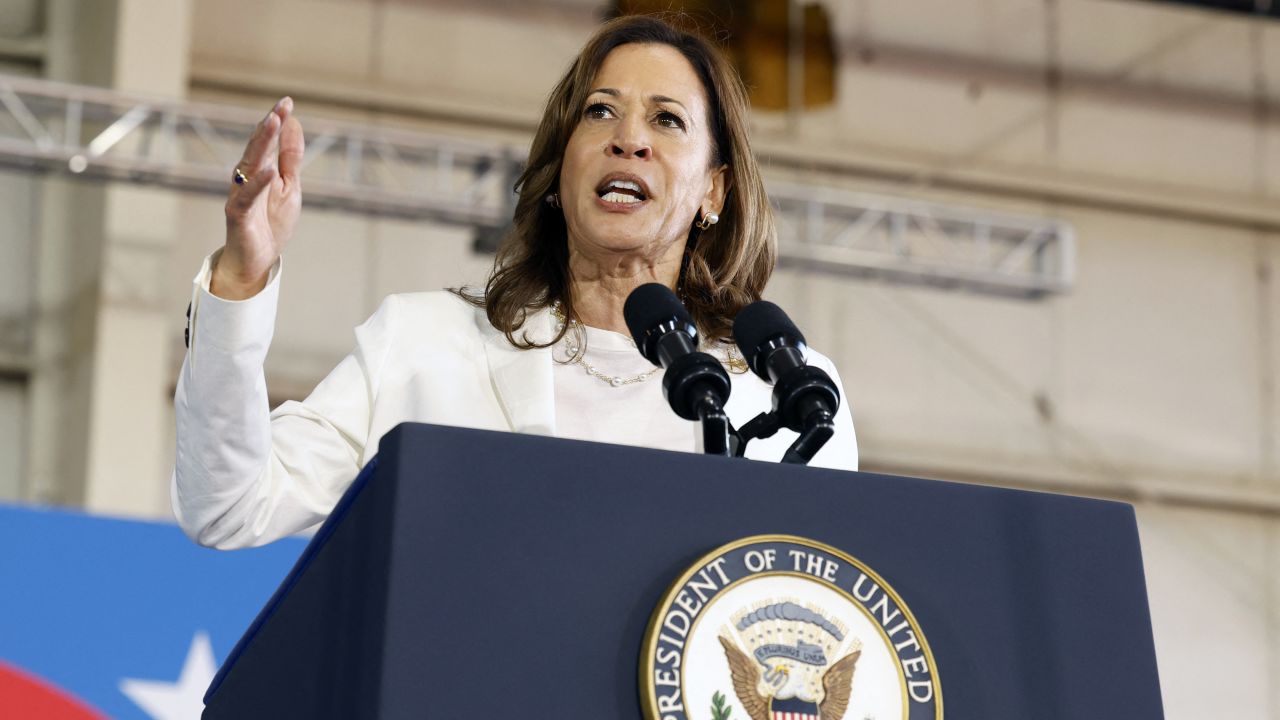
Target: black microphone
pixel 695 384
pixel 805 398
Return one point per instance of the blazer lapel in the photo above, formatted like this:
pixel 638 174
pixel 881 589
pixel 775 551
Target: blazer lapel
pixel 522 378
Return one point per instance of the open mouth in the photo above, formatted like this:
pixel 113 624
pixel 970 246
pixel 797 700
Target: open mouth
pixel 622 191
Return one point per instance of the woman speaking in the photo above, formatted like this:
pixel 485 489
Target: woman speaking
pixel 640 171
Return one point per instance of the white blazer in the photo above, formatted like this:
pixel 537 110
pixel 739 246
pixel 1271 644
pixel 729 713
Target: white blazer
pixel 245 476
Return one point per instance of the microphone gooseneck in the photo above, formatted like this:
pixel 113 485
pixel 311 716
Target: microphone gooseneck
pixel 695 384
pixel 805 398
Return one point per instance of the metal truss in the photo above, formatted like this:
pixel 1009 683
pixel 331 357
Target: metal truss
pixel 925 243
pixel 100 133
pixel 192 146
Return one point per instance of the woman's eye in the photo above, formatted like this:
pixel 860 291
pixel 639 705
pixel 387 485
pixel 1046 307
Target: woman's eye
pixel 598 111
pixel 670 120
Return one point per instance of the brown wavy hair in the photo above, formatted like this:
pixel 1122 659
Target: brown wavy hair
pixel 725 267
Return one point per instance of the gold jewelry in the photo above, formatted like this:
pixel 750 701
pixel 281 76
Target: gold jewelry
pixel 575 345
pixel 613 381
pixel 736 365
pixel 239 177
pixel 577 352
pixel 708 219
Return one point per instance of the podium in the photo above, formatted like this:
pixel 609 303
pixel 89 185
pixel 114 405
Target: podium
pixel 478 574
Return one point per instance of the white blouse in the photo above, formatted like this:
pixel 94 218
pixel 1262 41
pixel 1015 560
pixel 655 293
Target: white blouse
pixel 589 407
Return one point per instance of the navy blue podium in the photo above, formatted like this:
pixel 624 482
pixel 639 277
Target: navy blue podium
pixel 481 574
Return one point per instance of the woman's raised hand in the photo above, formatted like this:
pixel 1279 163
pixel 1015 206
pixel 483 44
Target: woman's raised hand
pixel 263 209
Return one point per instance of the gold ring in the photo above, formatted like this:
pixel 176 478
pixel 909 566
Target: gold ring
pixel 239 177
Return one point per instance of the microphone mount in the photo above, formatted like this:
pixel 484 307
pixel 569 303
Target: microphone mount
pixel 804 397
pixel 694 383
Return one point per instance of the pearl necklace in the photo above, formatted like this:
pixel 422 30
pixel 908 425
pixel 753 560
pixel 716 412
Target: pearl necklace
pixel 577 353
pixel 579 358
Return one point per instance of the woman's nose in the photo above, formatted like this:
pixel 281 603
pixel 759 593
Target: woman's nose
pixel 630 141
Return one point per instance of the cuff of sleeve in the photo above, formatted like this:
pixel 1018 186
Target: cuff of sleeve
pixel 233 325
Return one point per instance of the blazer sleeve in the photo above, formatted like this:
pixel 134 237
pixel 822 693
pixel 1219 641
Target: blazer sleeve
pixel 841 451
pixel 243 475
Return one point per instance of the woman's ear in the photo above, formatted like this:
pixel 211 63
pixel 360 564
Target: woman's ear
pixel 721 180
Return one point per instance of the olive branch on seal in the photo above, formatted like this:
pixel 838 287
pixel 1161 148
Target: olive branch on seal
pixel 719 711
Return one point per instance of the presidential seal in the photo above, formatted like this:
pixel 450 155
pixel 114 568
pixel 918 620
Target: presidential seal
pixel 777 627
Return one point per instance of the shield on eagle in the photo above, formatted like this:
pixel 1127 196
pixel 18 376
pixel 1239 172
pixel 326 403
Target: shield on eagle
pixel 781 670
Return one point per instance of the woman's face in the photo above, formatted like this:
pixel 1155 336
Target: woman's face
pixel 638 167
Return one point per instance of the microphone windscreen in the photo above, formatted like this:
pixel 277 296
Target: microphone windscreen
pixel 758 322
pixel 649 305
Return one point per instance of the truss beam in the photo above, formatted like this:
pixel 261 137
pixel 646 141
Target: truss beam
pixel 92 132
pixel 924 243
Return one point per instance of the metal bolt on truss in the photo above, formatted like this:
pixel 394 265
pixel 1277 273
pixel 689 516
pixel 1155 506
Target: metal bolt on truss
pixel 106 134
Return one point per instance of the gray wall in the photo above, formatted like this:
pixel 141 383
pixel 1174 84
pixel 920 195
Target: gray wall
pixel 19 21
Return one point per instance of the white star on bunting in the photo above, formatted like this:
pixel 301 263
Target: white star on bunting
pixel 181 700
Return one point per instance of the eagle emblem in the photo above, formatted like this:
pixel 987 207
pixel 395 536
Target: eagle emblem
pixel 778 655
pixel 772 627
